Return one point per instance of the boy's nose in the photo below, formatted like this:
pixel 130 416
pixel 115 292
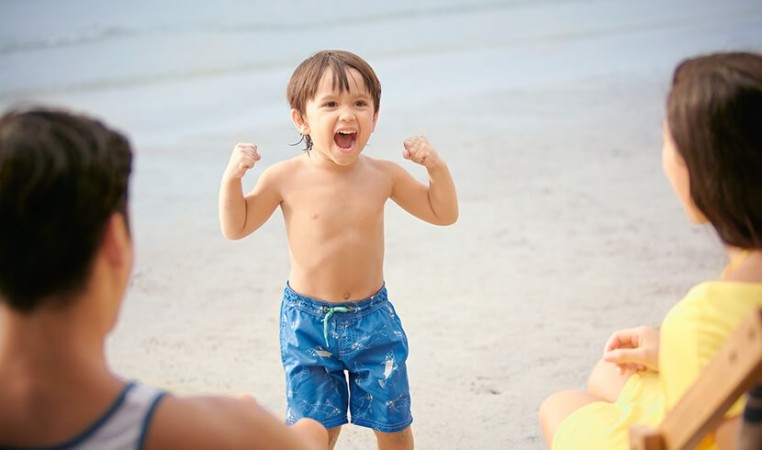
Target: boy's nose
pixel 346 114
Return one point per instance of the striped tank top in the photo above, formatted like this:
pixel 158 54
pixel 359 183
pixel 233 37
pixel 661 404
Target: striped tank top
pixel 122 427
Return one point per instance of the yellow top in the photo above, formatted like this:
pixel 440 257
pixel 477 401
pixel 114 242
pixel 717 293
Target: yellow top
pixel 691 334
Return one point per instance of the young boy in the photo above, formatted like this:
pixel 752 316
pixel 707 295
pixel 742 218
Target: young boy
pixel 65 260
pixel 335 314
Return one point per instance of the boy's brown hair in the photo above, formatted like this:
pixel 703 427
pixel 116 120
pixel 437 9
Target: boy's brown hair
pixel 307 75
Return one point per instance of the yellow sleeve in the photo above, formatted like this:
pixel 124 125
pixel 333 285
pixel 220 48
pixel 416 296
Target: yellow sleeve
pixel 691 334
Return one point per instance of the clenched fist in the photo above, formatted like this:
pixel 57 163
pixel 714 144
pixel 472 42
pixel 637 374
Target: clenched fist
pixel 419 150
pixel 243 158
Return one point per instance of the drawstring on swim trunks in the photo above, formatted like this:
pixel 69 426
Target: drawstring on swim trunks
pixel 330 311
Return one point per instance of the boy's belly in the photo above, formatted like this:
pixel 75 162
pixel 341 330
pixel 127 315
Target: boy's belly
pixel 338 271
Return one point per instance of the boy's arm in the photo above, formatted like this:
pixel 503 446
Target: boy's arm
pixel 436 203
pixel 228 423
pixel 239 215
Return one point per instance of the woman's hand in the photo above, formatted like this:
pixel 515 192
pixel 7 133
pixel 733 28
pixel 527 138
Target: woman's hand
pixel 633 349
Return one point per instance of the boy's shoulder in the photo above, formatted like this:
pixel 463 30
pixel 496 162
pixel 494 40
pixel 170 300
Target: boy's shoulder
pixel 386 167
pixel 286 167
pixel 300 166
pixel 380 164
pixel 286 164
pixel 302 162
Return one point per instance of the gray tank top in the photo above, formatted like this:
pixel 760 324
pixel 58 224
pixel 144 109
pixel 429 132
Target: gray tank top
pixel 123 426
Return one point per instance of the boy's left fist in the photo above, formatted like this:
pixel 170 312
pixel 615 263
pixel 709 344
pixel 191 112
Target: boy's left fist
pixel 419 150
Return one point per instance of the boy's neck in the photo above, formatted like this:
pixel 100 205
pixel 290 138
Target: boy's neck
pixel 318 160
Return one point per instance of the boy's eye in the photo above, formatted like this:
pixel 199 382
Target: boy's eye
pixel 361 103
pixel 329 104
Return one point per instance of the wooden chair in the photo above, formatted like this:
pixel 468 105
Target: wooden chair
pixel 733 371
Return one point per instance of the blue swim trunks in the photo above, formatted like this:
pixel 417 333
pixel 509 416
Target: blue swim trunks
pixel 345 356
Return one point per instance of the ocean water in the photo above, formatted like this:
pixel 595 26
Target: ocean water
pixel 162 69
pixel 186 80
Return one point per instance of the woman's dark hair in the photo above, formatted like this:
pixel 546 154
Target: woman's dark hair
pixel 714 113
pixel 62 176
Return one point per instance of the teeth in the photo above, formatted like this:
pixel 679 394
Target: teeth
pixel 346 132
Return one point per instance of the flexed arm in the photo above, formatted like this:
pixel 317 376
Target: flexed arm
pixel 241 215
pixel 436 203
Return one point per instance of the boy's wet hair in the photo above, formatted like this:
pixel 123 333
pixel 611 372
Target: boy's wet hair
pixel 306 78
pixel 714 113
pixel 62 176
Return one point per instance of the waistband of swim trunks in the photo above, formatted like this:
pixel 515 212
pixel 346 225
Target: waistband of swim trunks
pixel 320 307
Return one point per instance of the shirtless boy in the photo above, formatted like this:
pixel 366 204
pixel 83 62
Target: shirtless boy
pixel 336 316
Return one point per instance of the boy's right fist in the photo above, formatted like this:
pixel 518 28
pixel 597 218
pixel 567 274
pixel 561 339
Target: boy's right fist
pixel 243 158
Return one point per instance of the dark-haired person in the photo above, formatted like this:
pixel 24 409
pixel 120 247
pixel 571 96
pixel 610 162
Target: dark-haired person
pixel 712 156
pixel 65 259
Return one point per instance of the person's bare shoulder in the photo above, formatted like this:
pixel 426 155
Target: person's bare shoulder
pixel 394 172
pixel 382 165
pixel 277 176
pixel 284 167
pixel 219 423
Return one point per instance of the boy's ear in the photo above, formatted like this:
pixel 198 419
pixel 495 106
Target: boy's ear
pixel 299 122
pixel 375 119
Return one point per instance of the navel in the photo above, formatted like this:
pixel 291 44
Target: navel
pixel 347 295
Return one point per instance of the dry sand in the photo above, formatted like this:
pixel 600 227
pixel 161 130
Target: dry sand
pixel 568 230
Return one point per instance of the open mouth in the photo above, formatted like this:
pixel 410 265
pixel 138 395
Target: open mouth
pixel 345 139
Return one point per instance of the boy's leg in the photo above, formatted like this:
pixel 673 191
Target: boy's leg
pixel 400 440
pixel 316 385
pixel 333 436
pixel 312 430
pixel 378 381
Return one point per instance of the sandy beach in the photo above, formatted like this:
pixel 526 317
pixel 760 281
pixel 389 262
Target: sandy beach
pixel 548 114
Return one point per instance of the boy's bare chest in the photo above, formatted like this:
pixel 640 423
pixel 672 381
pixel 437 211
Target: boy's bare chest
pixel 349 198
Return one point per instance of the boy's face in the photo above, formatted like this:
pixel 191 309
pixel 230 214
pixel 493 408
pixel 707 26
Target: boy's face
pixel 339 123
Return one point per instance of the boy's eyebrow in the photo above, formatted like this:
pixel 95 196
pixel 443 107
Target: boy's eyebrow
pixel 335 94
pixel 324 97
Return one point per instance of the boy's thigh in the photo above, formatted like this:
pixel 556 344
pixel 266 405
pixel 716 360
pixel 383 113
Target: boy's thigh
pixel 313 392
pixel 378 379
pixel 316 385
